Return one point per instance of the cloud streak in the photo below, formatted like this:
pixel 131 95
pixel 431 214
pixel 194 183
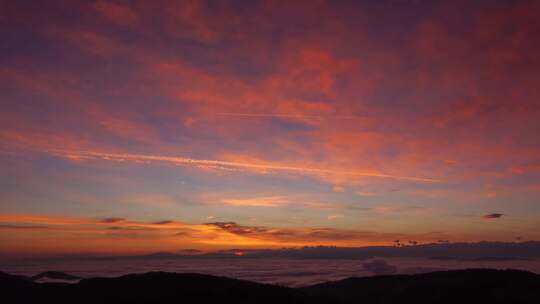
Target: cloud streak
pixel 221 164
pixel 276 115
pixel 270 201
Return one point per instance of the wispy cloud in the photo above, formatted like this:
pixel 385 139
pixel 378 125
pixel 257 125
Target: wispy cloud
pixel 492 216
pixel 25 227
pixel 122 15
pixel 398 209
pixel 270 201
pixel 114 220
pixel 163 222
pixel 221 164
pixel 277 115
pixel 334 216
pixel 365 193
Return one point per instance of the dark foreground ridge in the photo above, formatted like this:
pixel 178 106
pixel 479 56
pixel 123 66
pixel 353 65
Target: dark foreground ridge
pixel 56 275
pixel 482 285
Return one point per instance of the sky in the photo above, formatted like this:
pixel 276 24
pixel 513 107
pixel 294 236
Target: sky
pixel 143 126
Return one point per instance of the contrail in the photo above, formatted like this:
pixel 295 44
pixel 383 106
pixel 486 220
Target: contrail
pixel 277 115
pixel 221 164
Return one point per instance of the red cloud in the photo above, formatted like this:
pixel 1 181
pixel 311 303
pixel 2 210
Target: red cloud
pixel 522 169
pixel 123 15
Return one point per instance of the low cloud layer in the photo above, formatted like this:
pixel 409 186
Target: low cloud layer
pixel 379 267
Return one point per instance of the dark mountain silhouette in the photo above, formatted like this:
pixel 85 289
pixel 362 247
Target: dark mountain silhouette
pixel 55 275
pixel 481 285
pixel 153 287
pixel 7 276
pixel 17 289
pixel 470 286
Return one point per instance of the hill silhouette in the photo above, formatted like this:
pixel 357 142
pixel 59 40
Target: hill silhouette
pixel 471 286
pixel 55 275
pixel 483 285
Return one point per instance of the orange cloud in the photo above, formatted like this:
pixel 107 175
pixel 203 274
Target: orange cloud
pixel 17 227
pixel 365 193
pixel 43 219
pixel 120 236
pixel 270 201
pixel 334 216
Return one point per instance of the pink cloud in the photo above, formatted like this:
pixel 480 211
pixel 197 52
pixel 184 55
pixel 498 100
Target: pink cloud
pixel 120 14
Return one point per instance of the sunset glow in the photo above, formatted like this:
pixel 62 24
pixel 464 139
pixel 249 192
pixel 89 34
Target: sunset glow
pixel 131 127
